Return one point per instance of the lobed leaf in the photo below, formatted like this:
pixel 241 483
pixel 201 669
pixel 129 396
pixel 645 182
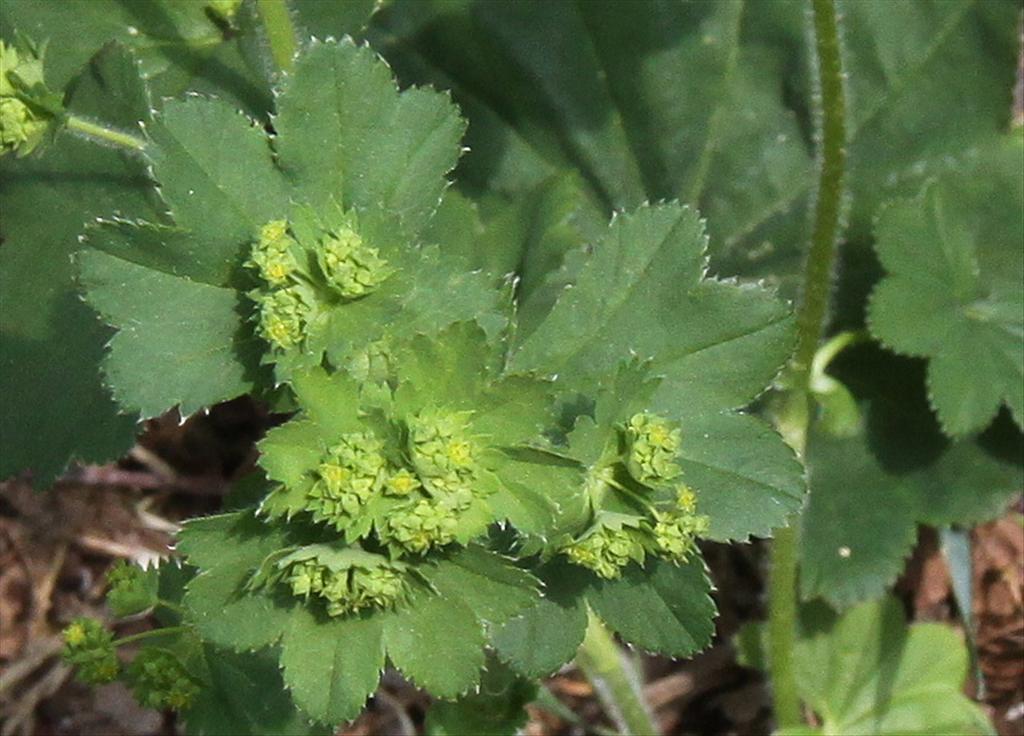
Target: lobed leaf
pixel 955 262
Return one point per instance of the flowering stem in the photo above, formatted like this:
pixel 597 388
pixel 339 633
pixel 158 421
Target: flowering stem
pixel 811 322
pixel 103 134
pixel 165 631
pixel 615 681
pixel 277 22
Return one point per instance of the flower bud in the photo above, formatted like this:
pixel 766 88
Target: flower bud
pixel 350 266
pixel 132 589
pixel 159 680
pixel 22 126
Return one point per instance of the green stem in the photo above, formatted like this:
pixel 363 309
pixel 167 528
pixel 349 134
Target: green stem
pixel 782 613
pixel 104 134
pixel 277 21
pixel 165 631
pixel 615 681
pixel 811 323
pixel 817 279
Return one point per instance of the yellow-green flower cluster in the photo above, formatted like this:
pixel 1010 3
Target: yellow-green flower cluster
pixel 676 531
pixel 424 487
pixel 607 549
pixel 284 303
pixel 351 472
pixel 653 444
pixel 352 268
pixel 349 589
pixel 274 253
pixel 90 647
pixel 641 471
pixel 22 126
pixel 283 314
pixel 299 278
pixel 442 450
pixel 158 680
pixel 428 523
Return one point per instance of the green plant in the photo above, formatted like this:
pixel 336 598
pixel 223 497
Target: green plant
pixel 510 421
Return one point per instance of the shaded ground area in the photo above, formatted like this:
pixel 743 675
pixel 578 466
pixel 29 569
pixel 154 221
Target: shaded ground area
pixel 55 547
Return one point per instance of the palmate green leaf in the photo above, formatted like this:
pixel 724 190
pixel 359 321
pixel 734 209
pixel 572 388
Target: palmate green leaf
pixel 244 694
pixel 677 618
pixel 498 709
pixel 715 346
pixel 52 344
pixel 870 674
pixel 240 692
pixel 731 83
pixel 955 286
pixel 332 664
pixel 222 183
pixel 869 491
pixel 866 673
pixel 49 339
pixel 590 86
pixel 200 361
pixel 332 667
pixel 391 150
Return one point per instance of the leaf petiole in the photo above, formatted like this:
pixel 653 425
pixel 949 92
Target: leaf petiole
pixel 277 23
pixel 615 681
pixel 102 134
pixel 164 631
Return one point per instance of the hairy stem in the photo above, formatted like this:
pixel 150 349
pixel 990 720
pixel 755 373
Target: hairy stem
pixel 811 323
pixel 277 21
pixel 615 681
pixel 103 134
pixel 817 278
pixel 165 631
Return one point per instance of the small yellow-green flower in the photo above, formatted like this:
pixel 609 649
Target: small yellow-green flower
pixel 606 550
pixel 402 483
pixel 443 452
pixel 426 524
pixel 350 266
pixel 273 255
pixel 351 472
pixel 22 127
pixel 653 446
pixel 283 315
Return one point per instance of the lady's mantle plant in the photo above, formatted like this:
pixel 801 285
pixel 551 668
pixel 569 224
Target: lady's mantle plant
pixel 449 483
pixel 479 470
